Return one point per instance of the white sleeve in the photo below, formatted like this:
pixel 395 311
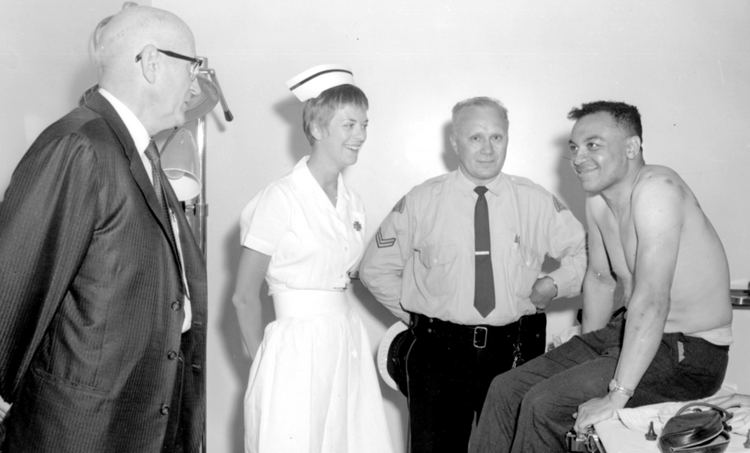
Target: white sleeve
pixel 265 219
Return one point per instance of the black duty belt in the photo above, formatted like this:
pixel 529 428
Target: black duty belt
pixel 526 336
pixel 479 336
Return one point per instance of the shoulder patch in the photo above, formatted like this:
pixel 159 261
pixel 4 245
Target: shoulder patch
pixel 399 207
pixel 559 206
pixel 383 242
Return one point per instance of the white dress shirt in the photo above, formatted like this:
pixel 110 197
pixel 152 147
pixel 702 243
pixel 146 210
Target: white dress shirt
pixel 141 139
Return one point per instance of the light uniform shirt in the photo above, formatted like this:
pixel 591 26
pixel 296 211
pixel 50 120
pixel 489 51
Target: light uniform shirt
pixel 141 140
pixel 421 259
pixel 312 244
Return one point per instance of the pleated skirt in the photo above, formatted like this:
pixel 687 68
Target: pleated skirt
pixel 312 386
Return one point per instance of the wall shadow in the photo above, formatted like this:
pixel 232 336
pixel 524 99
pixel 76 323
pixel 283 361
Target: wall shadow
pixel 450 158
pixel 84 79
pixel 568 186
pixel 572 195
pixel 290 109
pixel 375 308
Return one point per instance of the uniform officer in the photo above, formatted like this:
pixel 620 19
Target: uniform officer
pixel 459 259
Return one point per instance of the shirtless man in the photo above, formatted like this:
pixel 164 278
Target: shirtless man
pixel 649 239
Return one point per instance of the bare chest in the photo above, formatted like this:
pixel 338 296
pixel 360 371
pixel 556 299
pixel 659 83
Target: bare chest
pixel 621 244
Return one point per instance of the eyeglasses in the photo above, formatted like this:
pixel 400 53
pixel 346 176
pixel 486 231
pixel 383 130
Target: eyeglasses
pixel 196 62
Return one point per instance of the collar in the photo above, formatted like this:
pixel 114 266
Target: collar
pixel 136 129
pixel 303 172
pixel 493 186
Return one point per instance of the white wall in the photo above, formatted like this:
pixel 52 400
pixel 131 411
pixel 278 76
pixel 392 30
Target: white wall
pixel 684 63
pixel 44 67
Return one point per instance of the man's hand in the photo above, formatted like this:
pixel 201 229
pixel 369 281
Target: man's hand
pixel 598 410
pixel 543 291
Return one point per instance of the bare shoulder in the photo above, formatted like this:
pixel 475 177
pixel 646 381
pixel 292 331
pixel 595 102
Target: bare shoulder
pixel 656 177
pixel 658 186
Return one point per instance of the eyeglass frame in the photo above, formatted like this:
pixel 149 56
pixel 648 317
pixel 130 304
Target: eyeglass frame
pixel 196 62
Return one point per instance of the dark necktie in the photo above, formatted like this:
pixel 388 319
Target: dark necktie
pixel 153 155
pixel 484 285
pixel 156 174
pixel 159 179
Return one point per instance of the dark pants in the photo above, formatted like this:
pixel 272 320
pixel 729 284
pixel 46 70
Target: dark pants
pixel 174 437
pixel 529 409
pixel 449 368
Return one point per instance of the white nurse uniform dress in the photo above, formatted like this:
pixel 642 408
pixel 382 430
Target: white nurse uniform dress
pixel 312 385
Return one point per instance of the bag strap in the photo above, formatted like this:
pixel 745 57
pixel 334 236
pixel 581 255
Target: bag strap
pixel 698 404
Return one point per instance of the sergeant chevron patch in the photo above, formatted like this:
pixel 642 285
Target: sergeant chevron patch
pixel 559 206
pixel 399 207
pixel 383 242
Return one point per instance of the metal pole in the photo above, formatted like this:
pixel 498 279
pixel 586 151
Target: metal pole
pixel 196 209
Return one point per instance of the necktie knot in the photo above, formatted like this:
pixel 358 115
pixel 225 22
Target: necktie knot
pixel 153 154
pixel 480 190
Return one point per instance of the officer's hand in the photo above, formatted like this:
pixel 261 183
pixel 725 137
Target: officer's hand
pixel 543 291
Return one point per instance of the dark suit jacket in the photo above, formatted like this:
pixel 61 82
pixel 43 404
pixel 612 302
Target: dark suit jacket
pixel 91 296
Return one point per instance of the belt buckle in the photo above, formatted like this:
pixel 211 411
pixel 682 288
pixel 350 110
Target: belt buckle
pixel 480 337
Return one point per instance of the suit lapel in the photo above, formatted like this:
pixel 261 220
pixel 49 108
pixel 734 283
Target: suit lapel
pixel 96 102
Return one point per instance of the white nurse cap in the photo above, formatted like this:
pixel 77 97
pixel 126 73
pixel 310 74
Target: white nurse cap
pixel 310 83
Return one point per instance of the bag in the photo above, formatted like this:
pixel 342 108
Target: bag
pixel 587 442
pixel 696 431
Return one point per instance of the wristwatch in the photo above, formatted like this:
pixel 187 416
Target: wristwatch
pixel 615 386
pixel 557 290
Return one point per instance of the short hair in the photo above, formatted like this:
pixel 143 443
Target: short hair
pixel 320 110
pixel 95 42
pixel 119 37
pixel 625 115
pixel 479 101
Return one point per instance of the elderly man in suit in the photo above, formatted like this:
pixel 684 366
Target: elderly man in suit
pixel 102 285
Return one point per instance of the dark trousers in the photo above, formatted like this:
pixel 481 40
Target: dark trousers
pixel 529 409
pixel 174 437
pixel 449 368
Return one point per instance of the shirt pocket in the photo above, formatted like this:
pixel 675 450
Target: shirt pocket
pixel 525 265
pixel 437 264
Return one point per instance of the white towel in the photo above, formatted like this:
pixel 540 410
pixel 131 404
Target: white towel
pixel 639 418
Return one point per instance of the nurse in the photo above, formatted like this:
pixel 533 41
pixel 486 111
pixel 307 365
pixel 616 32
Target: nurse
pixel 312 385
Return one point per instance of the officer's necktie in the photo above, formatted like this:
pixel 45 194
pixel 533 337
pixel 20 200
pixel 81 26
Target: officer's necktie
pixel 484 285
